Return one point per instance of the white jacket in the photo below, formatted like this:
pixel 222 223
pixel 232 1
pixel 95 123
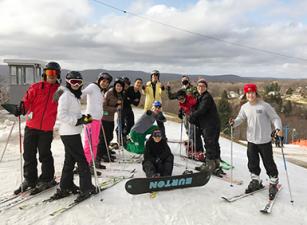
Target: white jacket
pixel 69 111
pixel 94 101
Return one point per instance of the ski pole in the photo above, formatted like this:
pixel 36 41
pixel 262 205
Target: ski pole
pixel 20 152
pixel 7 140
pixel 105 141
pixel 89 138
pixel 181 128
pixel 285 164
pixel 231 155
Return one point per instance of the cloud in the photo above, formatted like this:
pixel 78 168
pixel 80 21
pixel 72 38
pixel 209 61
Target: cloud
pixel 67 32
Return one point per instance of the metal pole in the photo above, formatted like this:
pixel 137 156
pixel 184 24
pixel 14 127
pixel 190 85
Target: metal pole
pixel 20 153
pixel 7 140
pixel 181 127
pixel 231 156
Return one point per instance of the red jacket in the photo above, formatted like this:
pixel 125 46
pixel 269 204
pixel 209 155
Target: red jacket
pixel 190 102
pixel 40 107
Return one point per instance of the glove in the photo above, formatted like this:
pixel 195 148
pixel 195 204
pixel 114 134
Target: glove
pixel 20 109
pixel 231 121
pixel 143 87
pixel 180 114
pixel 85 119
pixel 148 112
pixel 58 94
pixel 157 160
pixel 192 119
pixel 162 87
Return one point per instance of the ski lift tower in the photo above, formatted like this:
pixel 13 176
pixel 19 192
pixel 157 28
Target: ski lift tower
pixel 22 73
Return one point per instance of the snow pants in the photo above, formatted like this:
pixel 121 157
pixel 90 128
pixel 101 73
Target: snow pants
pixel 211 139
pixel 38 140
pixel 74 154
pixel 93 129
pixel 266 153
pixel 107 127
pixel 164 168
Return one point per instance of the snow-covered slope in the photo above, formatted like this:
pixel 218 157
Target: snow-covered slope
pixel 185 206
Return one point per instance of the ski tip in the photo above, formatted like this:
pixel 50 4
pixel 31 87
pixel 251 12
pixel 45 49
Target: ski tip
pixel 264 211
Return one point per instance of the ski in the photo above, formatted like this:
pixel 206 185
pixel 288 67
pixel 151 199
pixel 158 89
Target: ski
pixel 71 205
pixel 240 196
pixel 269 205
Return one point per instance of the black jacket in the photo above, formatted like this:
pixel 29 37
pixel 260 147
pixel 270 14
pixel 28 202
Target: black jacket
pixel 205 114
pixel 156 152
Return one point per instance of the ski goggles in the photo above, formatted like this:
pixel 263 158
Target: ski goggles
pixel 75 82
pixel 157 134
pixel 51 73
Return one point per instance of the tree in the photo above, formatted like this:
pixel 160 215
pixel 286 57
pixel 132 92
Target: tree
pixel 287 109
pixel 225 112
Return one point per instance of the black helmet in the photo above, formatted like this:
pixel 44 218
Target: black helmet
pixel 104 75
pixel 74 75
pixel 52 66
pixel 126 80
pixel 120 81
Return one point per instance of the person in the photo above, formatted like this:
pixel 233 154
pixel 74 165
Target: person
pixel 132 96
pixel 71 121
pixel 158 158
pixel 113 102
pixel 41 112
pixel 259 116
pixel 206 118
pixel 186 105
pixel 153 92
pixel 186 86
pixel 143 127
pixel 94 93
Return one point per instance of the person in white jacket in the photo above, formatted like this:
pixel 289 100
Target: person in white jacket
pixel 71 119
pixel 94 94
pixel 259 116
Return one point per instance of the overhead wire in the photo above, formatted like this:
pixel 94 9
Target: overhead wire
pixel 199 34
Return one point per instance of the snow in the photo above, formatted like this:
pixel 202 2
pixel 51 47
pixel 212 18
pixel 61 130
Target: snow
pixel 191 206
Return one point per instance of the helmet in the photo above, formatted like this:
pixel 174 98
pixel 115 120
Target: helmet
pixel 104 75
pixel 156 72
pixel 157 104
pixel 74 75
pixel 120 81
pixel 126 80
pixel 52 66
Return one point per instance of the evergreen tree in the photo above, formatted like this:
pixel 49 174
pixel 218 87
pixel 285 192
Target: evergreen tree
pixel 225 112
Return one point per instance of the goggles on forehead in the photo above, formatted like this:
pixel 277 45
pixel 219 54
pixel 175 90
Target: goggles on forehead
pixel 51 73
pixel 157 134
pixel 75 82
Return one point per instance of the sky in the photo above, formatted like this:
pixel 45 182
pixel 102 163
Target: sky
pixel 258 38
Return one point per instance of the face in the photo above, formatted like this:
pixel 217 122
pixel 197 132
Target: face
pixel 138 84
pixel 201 88
pixel 251 97
pixel 118 88
pixel 51 76
pixel 104 83
pixel 154 77
pixel 156 139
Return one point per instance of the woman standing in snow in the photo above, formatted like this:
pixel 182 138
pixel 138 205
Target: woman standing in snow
pixel 259 116
pixel 158 158
pixel 71 119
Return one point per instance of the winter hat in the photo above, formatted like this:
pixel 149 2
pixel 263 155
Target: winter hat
pixel 203 81
pixel 119 81
pixel 157 133
pixel 250 88
pixel 181 93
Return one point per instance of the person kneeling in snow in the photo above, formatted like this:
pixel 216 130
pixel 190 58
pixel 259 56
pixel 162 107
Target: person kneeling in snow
pixel 158 159
pixel 70 118
pixel 143 127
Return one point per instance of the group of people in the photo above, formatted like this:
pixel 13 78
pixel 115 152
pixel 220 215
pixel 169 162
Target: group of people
pixel 46 101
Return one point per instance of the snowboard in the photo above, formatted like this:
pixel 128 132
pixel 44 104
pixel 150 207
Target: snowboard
pixel 147 185
pixel 11 108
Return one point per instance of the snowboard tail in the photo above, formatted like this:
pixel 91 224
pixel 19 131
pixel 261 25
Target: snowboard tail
pixel 147 185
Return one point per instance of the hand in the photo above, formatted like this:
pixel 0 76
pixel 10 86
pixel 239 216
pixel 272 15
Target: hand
pixel 231 122
pixel 192 119
pixel 148 112
pixel 143 87
pixel 278 133
pixel 180 114
pixel 85 119
pixel 162 87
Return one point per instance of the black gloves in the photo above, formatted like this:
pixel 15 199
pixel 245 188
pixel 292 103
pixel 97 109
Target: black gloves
pixel 192 119
pixel 180 114
pixel 20 109
pixel 85 119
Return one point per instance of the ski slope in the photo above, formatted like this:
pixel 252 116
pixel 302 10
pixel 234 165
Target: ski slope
pixel 191 206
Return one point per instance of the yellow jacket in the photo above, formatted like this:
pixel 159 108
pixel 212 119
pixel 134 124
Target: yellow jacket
pixel 149 96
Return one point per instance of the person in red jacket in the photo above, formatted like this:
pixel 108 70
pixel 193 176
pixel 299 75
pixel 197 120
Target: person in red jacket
pixel 194 146
pixel 41 111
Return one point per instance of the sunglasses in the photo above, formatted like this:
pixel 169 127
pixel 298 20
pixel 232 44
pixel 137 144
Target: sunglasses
pixel 51 73
pixel 75 82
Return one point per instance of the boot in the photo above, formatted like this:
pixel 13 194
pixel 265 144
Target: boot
pixel 43 185
pixel 85 195
pixel 208 165
pixel 254 185
pixel 25 185
pixel 60 194
pixel 273 189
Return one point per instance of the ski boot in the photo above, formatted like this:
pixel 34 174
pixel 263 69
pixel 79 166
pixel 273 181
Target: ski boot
pixel 43 185
pixel 254 185
pixel 26 185
pixel 273 189
pixel 85 195
pixel 218 172
pixel 60 194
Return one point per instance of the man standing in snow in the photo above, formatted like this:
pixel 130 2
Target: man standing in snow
pixel 41 112
pixel 206 118
pixel 259 116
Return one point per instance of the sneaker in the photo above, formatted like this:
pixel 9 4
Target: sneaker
pixel 273 189
pixel 43 185
pixel 26 185
pixel 254 185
